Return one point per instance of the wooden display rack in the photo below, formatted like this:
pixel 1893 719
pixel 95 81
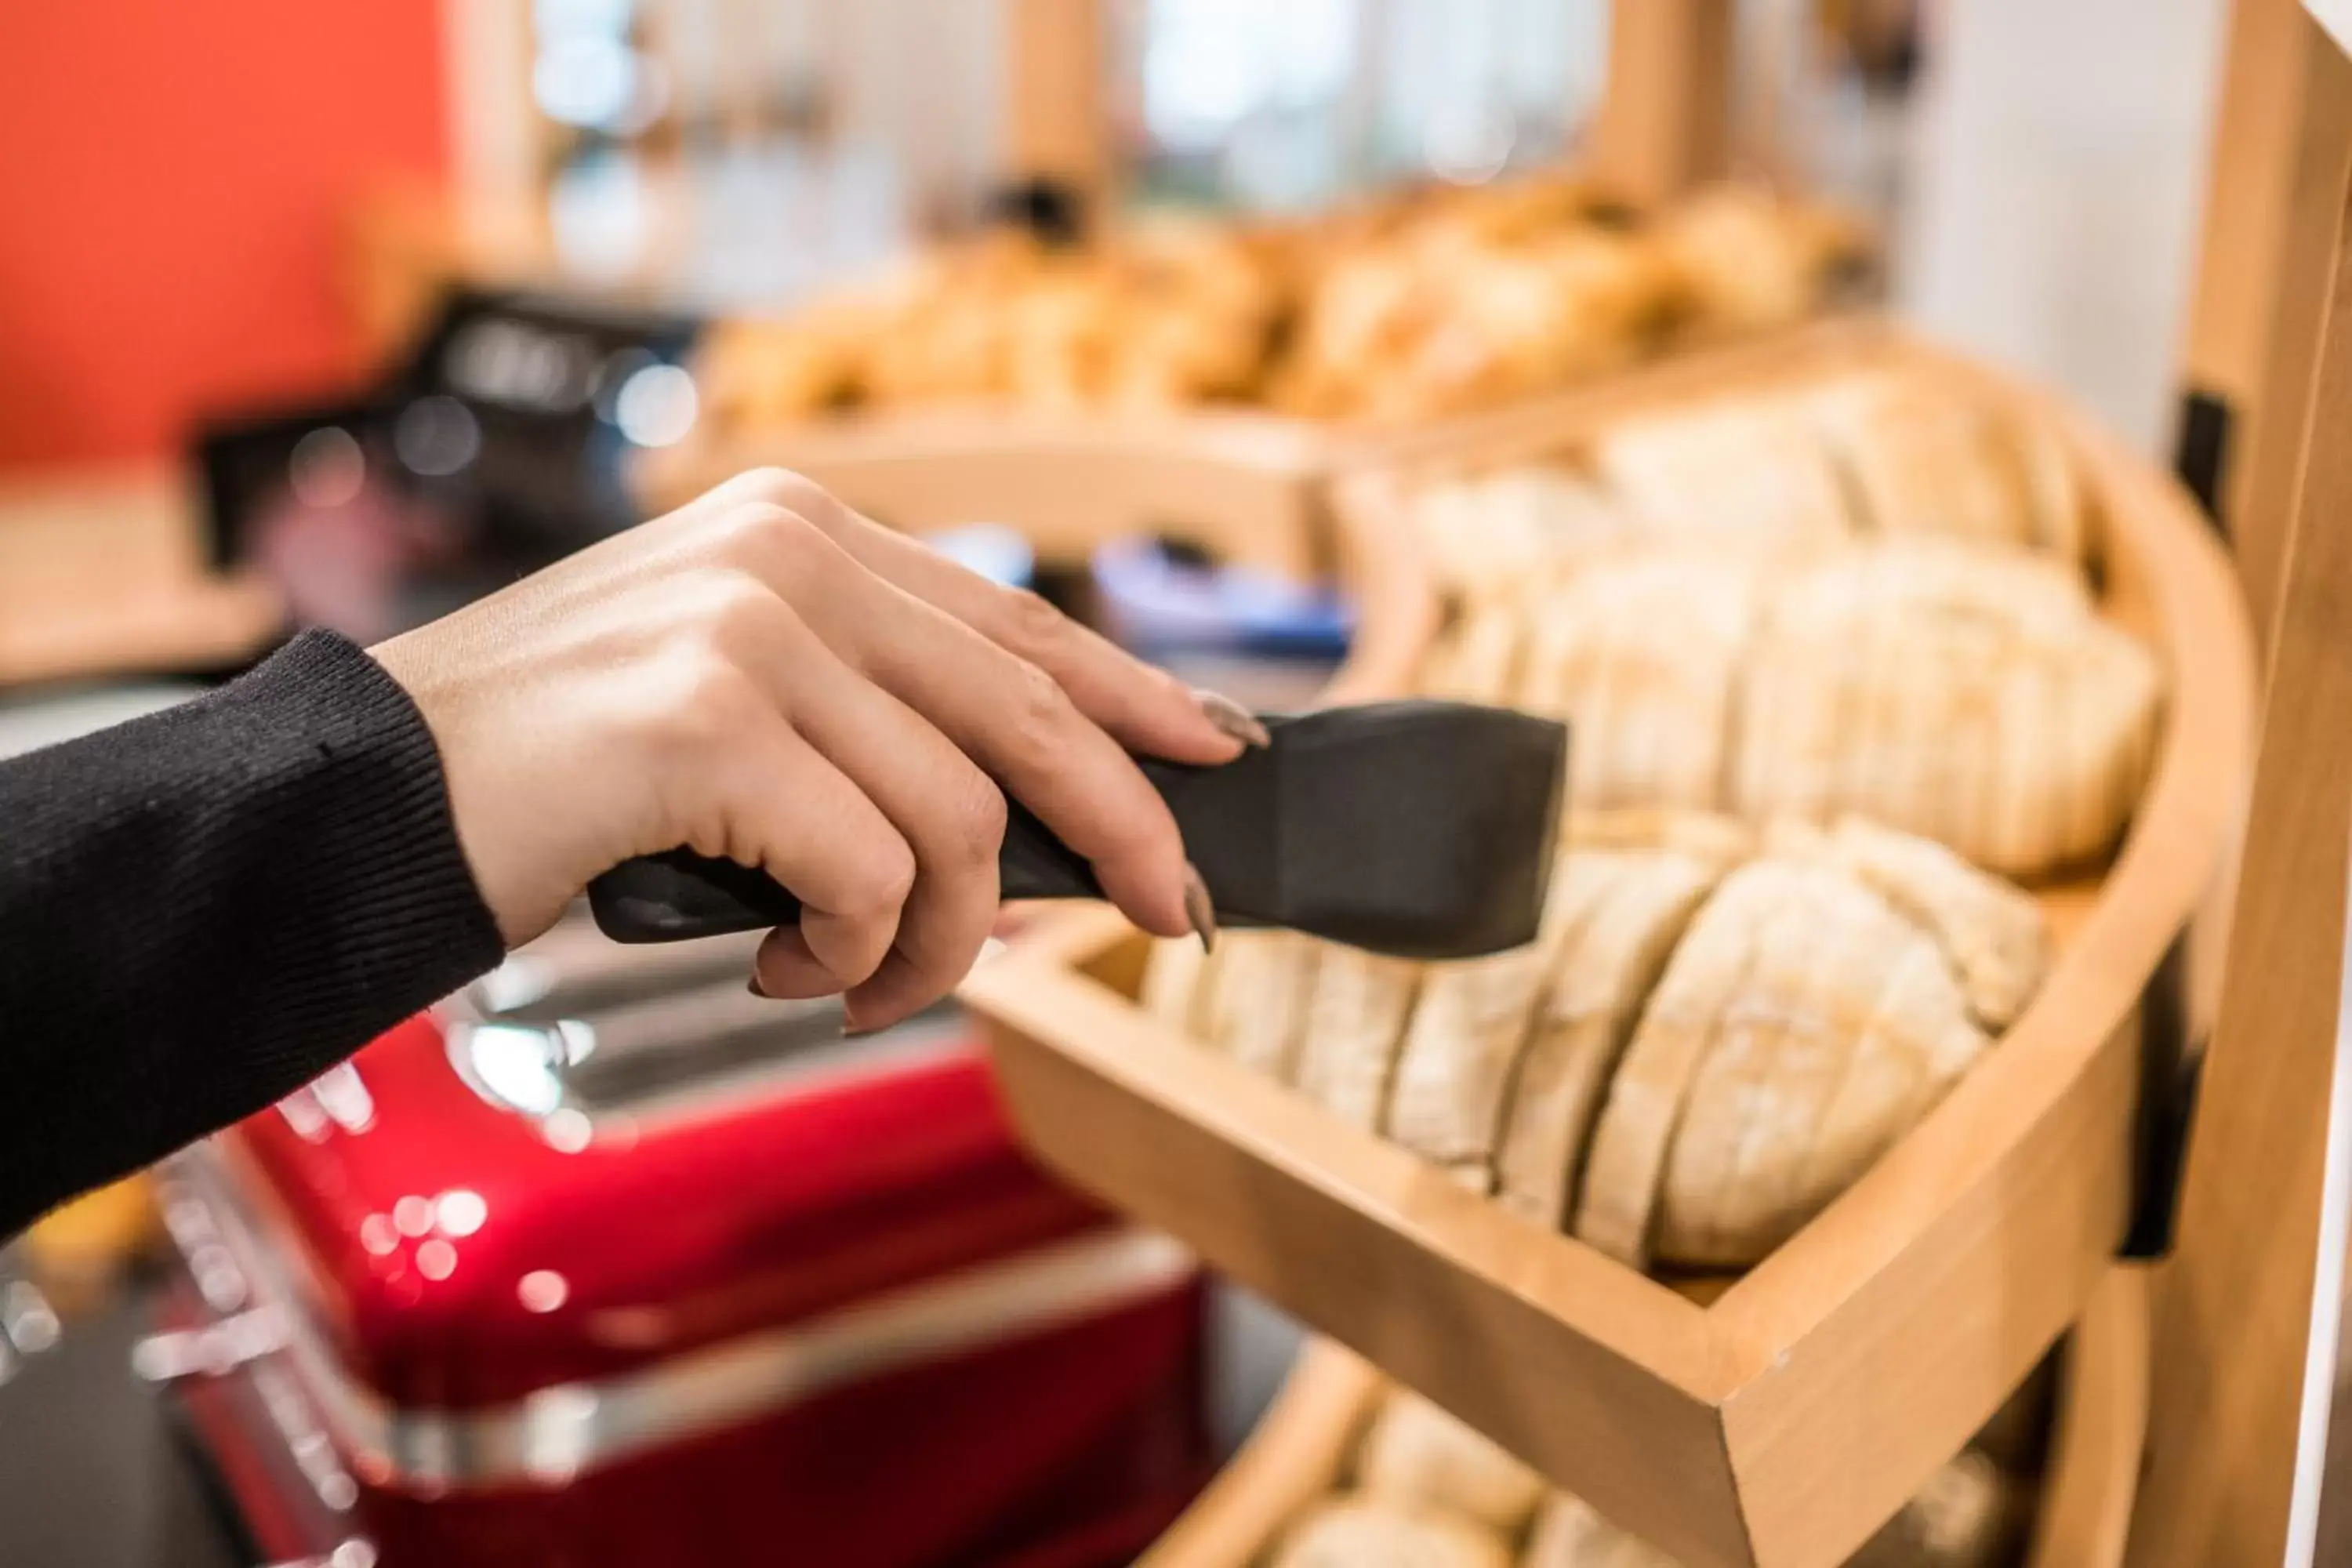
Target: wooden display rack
pixel 1783 1423
pixel 1299 1452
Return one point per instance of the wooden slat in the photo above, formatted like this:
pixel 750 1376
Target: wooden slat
pixel 2233 1315
pixel 2281 147
pixel 2092 1479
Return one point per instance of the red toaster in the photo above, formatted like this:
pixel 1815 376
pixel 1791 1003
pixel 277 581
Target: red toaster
pixel 609 1262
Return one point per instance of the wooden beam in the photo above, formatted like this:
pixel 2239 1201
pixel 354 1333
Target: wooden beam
pixel 498 141
pixel 1664 119
pixel 2233 1321
pixel 1056 93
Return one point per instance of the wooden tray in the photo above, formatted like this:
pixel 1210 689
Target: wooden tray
pixel 2087 1484
pixel 1248 487
pixel 102 575
pixel 1783 1423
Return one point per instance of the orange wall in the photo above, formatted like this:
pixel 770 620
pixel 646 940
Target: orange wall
pixel 171 175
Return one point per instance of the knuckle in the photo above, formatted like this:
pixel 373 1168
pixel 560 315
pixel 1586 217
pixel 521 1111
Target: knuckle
pixel 976 815
pixel 792 492
pixel 1147 834
pixel 734 615
pixel 760 532
pixel 700 705
pixel 767 483
pixel 1033 626
pixel 1041 712
pixel 884 882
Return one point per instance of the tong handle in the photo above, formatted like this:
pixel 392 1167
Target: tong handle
pixel 678 895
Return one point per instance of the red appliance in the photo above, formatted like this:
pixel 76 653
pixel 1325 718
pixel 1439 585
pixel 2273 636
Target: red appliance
pixel 609 1262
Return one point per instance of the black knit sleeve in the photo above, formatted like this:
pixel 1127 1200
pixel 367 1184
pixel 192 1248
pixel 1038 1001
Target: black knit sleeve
pixel 202 909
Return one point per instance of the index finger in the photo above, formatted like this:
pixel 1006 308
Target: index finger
pixel 1013 719
pixel 1144 709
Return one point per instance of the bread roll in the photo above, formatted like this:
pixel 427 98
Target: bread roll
pixel 1744 474
pixel 1257 1006
pixel 1846 1025
pixel 1993 933
pixel 1624 910
pixel 1925 456
pixel 1461 1049
pixel 1355 1021
pixel 1618 1198
pixel 1642 657
pixel 1971 697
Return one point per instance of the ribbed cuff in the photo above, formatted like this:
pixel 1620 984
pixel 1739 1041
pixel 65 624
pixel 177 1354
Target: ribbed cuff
pixel 202 909
pixel 377 912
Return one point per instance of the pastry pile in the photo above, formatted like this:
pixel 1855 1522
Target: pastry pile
pixel 1426 1491
pixel 1428 302
pixel 1485 295
pixel 1865 596
pixel 1714 1034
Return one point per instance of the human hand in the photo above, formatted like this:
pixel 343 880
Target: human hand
pixel 765 676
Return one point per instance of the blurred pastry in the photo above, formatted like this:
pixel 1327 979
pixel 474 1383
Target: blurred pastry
pixel 1416 303
pixel 1747 260
pixel 1373 1532
pixel 1734 474
pixel 1415 1452
pixel 1569 1534
pixel 1644 660
pixel 1967 1516
pixel 1972 697
pixel 1924 459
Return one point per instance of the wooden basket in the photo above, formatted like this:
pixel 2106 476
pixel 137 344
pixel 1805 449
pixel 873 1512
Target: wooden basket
pixel 1783 1422
pixel 1299 1452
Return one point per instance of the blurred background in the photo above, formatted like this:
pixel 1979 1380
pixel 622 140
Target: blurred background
pixel 342 314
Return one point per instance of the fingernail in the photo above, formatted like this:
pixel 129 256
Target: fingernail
pixel 1231 718
pixel 1198 909
pixel 755 987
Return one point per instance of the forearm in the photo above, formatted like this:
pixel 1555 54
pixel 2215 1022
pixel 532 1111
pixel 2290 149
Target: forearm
pixel 201 910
